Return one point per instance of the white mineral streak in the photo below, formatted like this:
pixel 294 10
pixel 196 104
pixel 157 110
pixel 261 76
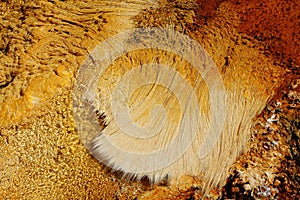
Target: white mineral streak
pixel 160 122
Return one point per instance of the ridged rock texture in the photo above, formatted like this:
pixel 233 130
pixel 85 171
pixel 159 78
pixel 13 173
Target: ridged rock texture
pixel 255 48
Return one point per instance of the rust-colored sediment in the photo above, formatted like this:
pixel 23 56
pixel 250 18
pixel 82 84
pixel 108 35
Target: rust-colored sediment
pixel 275 23
pixel 206 10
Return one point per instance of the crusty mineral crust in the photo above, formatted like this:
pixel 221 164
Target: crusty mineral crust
pixel 44 42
